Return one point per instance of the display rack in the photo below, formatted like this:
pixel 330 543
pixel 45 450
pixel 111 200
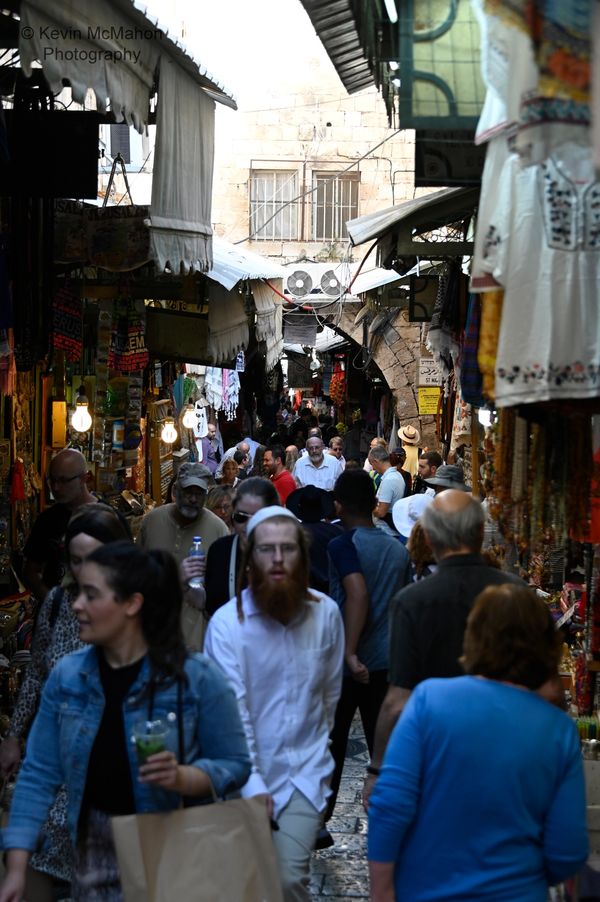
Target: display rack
pixel 160 454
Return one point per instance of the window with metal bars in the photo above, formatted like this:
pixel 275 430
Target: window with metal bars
pixel 334 201
pixel 273 210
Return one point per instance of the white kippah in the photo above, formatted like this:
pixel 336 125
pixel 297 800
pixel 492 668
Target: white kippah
pixel 268 513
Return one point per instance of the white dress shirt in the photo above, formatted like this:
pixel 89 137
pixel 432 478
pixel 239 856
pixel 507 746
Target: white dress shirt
pixel 287 680
pixel 324 476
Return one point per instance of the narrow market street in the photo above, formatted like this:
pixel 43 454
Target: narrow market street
pixel 341 871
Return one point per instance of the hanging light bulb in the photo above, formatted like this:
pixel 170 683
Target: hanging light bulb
pixel 169 433
pixel 189 417
pixel 81 421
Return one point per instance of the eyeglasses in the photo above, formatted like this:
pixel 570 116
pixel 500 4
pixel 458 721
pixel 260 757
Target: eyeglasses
pixel 288 549
pixel 240 517
pixel 63 480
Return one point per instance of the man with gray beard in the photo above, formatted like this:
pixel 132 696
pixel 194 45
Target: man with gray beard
pixel 172 527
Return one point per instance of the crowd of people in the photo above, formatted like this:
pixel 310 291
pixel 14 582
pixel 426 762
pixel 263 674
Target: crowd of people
pixel 328 584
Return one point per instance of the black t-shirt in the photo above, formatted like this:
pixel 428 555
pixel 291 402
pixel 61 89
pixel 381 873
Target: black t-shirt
pixel 109 785
pixel 428 619
pixel 46 543
pixel 216 583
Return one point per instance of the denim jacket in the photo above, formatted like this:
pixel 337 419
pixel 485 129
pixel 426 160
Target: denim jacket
pixel 64 730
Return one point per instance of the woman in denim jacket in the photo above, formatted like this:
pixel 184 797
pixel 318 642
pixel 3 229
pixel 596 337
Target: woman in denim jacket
pixel 136 669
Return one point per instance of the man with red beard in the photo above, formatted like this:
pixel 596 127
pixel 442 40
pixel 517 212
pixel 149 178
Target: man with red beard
pixel 282 646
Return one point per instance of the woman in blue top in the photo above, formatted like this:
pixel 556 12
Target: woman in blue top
pixel 481 794
pixel 136 668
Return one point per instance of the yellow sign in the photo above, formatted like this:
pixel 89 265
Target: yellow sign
pixel 428 400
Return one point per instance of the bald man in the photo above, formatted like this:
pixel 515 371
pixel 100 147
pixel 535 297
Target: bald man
pixel 428 618
pixel 44 551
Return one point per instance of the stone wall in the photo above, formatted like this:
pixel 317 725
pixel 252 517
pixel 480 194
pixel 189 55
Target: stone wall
pixel 396 352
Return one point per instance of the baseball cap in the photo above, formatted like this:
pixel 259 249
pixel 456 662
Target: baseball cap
pixel 194 474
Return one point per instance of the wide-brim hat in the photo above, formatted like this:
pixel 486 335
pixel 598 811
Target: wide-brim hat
pixel 311 504
pixel 409 435
pixel 449 476
pixel 407 511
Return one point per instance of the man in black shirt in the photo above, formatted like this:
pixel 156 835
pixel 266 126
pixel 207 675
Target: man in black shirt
pixel 44 551
pixel 428 618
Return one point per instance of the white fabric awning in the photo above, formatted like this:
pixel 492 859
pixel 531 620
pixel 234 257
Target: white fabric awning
pixel 108 46
pixel 232 264
pixel 180 210
pixel 269 320
pixel 227 324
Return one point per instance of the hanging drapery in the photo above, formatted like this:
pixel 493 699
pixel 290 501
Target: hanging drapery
pixel 227 324
pixel 269 320
pixel 180 211
pixel 88 56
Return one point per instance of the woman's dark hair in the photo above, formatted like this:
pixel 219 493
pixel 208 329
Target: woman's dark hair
pixel 155 575
pixel 100 521
pixel 259 486
pixel 257 463
pixel 511 636
pixel 419 549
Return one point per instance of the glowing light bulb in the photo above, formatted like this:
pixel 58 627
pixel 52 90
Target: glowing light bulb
pixel 169 433
pixel 189 418
pixel 81 421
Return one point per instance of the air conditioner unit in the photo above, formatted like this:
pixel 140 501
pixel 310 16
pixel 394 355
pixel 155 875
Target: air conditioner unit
pixel 317 283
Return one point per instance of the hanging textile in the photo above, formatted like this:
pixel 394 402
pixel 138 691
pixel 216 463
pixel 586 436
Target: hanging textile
pixel 128 352
pixel 557 108
pixel 231 393
pixel 489 332
pixel 442 338
pixel 300 328
pixel 543 248
pixel 180 210
pixel 269 320
pixel 213 387
pixel 471 380
pixel 228 330
pixel 128 83
pixel 67 323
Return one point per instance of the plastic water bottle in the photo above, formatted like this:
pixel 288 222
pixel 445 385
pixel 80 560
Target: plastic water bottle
pixel 196 582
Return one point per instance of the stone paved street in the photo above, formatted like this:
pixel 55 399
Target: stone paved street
pixel 341 871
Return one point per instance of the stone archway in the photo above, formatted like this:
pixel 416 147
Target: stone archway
pixel 396 352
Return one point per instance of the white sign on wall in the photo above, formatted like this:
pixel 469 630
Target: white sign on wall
pixel 429 372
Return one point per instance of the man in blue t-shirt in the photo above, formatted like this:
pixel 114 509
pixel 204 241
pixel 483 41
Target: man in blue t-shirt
pixel 367 567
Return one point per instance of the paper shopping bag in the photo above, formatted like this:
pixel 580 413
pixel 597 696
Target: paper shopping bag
pixel 208 853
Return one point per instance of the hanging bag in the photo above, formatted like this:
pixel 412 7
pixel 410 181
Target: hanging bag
pixel 118 236
pixel 220 851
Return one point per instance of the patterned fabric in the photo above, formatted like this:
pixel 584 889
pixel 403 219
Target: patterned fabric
pixel 56 635
pixel 96 871
pixel 491 313
pixel 547 258
pixel 560 36
pixel 470 375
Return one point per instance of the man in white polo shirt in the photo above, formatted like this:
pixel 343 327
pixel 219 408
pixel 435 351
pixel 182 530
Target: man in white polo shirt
pixel 392 485
pixel 316 467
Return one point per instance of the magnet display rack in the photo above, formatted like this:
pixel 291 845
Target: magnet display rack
pixel 161 454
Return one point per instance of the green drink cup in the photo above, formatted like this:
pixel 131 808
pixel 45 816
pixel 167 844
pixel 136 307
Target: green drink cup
pixel 150 738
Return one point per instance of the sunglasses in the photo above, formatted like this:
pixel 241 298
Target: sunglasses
pixel 240 517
